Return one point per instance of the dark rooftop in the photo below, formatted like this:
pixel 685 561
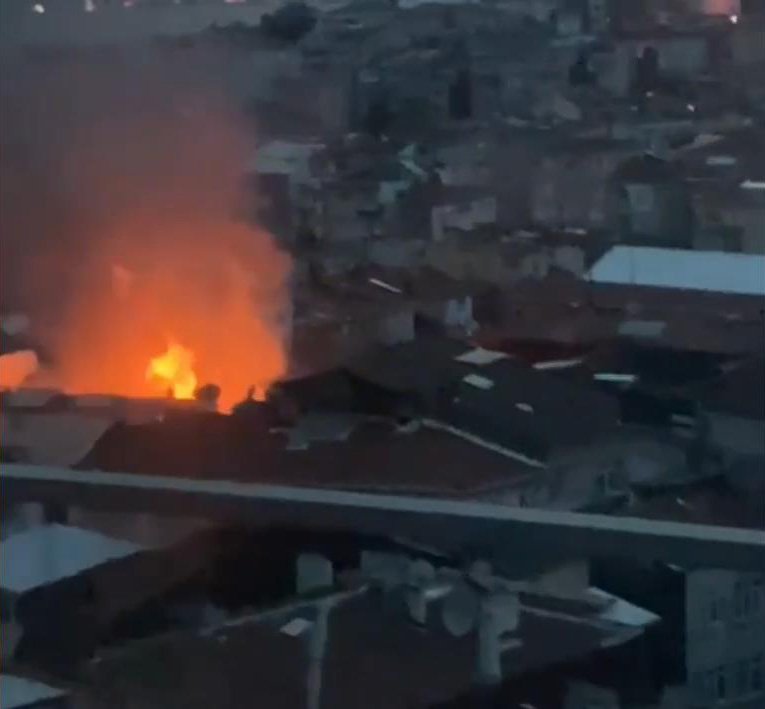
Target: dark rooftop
pixel 490 395
pixel 322 450
pixel 428 666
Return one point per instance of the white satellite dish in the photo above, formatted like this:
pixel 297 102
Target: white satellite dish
pixel 460 611
pixel 420 573
pixel 505 609
pixel 481 573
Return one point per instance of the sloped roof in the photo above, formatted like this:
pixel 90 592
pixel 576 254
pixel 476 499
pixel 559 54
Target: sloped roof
pixel 715 271
pixel 373 456
pixel 368 644
pixel 20 692
pixel 43 555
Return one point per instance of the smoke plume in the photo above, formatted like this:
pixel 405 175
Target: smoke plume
pixel 122 226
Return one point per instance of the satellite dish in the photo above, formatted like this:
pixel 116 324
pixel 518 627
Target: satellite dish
pixel 505 609
pixel 481 573
pixel 460 611
pixel 420 573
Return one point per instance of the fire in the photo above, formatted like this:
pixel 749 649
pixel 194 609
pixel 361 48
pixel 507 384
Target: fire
pixel 174 371
pixel 160 242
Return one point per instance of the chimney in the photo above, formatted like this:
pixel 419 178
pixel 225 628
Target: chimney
pixel 314 572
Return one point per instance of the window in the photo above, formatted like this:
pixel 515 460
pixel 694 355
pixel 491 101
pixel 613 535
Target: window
pixel 738 600
pixel 742 672
pixel 721 685
pixel 755 674
pixel 718 610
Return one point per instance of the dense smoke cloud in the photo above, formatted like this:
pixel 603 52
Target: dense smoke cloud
pixel 120 224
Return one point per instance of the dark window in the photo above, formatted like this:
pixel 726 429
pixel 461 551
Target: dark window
pixel 742 678
pixel 755 679
pixel 721 684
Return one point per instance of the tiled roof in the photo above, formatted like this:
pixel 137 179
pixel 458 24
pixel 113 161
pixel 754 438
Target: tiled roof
pixel 401 665
pixel 373 455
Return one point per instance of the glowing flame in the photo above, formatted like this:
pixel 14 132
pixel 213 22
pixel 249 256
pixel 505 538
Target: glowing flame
pixel 174 371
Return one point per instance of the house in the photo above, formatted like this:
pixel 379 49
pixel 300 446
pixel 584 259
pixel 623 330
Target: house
pixel 420 620
pixel 651 203
pixel 571 183
pixel 437 299
pixel 707 644
pixel 64 587
pixel 330 327
pixel 505 260
pixel 488 395
pixel 279 176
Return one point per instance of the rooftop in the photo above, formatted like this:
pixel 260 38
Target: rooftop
pixel 429 664
pixel 322 450
pixel 721 272
pixel 24 693
pixel 43 555
pixel 490 395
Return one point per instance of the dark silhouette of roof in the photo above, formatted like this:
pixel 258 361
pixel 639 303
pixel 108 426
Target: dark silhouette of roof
pixel 351 454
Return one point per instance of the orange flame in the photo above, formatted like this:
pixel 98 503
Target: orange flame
pixel 174 371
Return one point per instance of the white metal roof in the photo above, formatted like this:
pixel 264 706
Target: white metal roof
pixel 18 692
pixel 716 271
pixel 45 554
pixel 623 612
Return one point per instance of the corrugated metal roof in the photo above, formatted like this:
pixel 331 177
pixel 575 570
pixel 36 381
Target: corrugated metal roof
pixel 716 271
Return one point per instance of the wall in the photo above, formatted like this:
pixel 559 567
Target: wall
pixel 572 191
pixel 747 46
pixel 738 435
pixel 725 650
pixel 752 222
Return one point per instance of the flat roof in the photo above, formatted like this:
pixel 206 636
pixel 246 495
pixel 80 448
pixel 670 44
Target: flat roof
pixel 716 271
